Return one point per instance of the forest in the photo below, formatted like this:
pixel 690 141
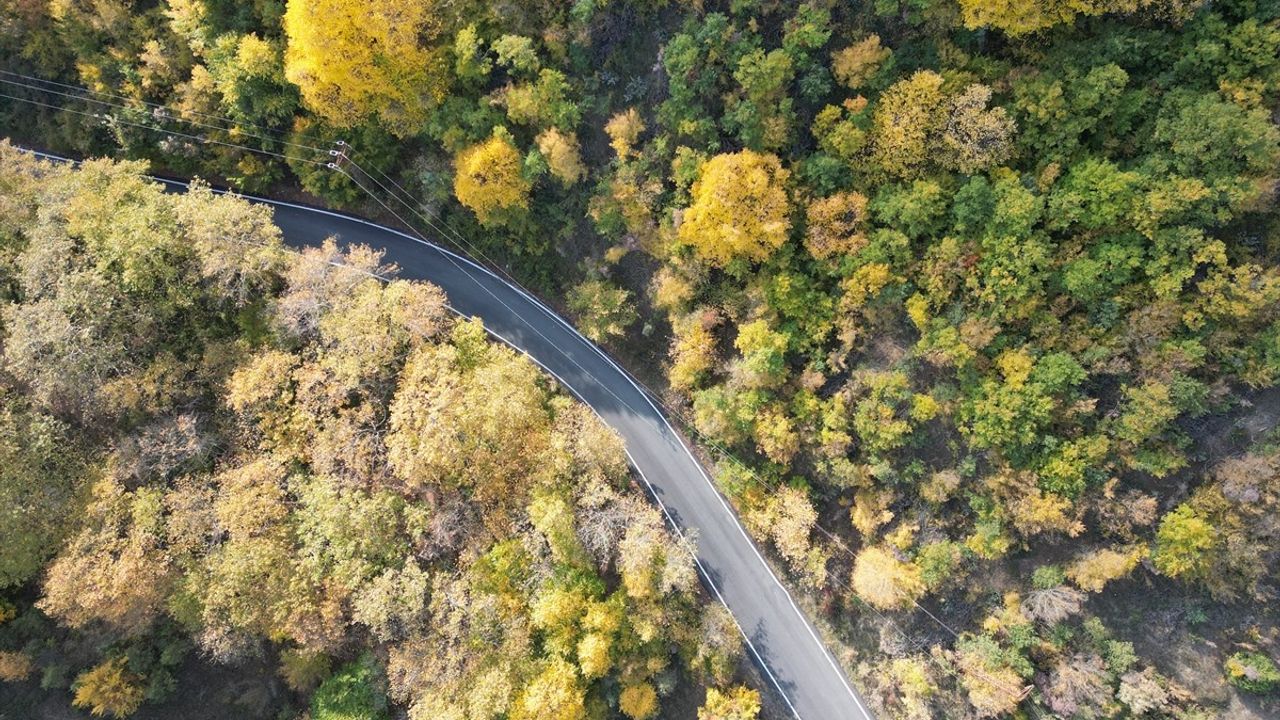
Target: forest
pixel 974 305
pixel 214 446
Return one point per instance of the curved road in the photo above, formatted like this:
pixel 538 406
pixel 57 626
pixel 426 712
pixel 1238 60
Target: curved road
pixel 783 642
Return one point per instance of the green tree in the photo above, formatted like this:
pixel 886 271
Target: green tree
pixel 1253 672
pixel 352 693
pixel 604 310
pixel 39 489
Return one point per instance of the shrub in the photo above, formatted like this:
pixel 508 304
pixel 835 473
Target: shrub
pixel 14 666
pixel 1253 672
pixel 351 694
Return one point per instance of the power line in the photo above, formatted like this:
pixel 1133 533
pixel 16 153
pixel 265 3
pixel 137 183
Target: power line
pixel 236 124
pixel 167 131
pixel 167 116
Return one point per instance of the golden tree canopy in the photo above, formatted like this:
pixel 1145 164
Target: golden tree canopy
pixel 488 179
pixel 836 225
pixel 1021 17
pixel 908 114
pixel 736 703
pixel 563 155
pixel 354 60
pixel 854 65
pixel 739 208
pixel 884 581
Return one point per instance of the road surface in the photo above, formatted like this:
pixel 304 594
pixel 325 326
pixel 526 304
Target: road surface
pixel 781 639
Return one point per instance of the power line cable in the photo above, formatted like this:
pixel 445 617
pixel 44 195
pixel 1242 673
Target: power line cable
pixel 167 116
pixel 236 124
pixel 167 131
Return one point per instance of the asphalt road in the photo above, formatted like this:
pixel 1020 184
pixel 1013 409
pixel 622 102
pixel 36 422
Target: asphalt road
pixel 783 642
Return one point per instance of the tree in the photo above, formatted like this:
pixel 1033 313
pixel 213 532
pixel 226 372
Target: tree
pixel 739 208
pixel 1143 691
pixel 350 694
pixel 517 53
pixel 1079 686
pixel 249 74
pixel 1185 543
pixel 39 469
pixel 884 581
pixel 109 689
pixel 112 570
pixel 1094 570
pixel 1021 17
pixel 394 603
pixel 650 561
pixel 855 65
pixel 303 671
pixel 904 120
pixel 544 102
pixel 836 225
pixel 624 130
pixel 719 646
pixel 889 411
pixel 472 423
pixel 1012 415
pixel 761 114
pixel 239 248
pixel 693 350
pixel 1212 138
pixel 735 703
pixel 488 180
pixel 763 354
pixel 1054 604
pixel 973 137
pixel 1094 194
pixel 353 61
pixel 556 693
pixel 788 519
pixel 638 702
pixel 1253 672
pixel 993 687
pixel 562 154
pixel 15 666
pixel 604 310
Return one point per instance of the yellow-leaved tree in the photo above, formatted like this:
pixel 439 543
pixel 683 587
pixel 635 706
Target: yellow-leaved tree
pixel 555 694
pixel 739 208
pixel 907 115
pixel 563 155
pixel 355 60
pixel 884 581
pixel 109 689
pixel 488 179
pixel 736 703
pixel 1020 17
pixel 638 702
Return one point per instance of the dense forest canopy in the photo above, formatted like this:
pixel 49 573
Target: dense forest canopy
pixel 212 443
pixel 983 298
